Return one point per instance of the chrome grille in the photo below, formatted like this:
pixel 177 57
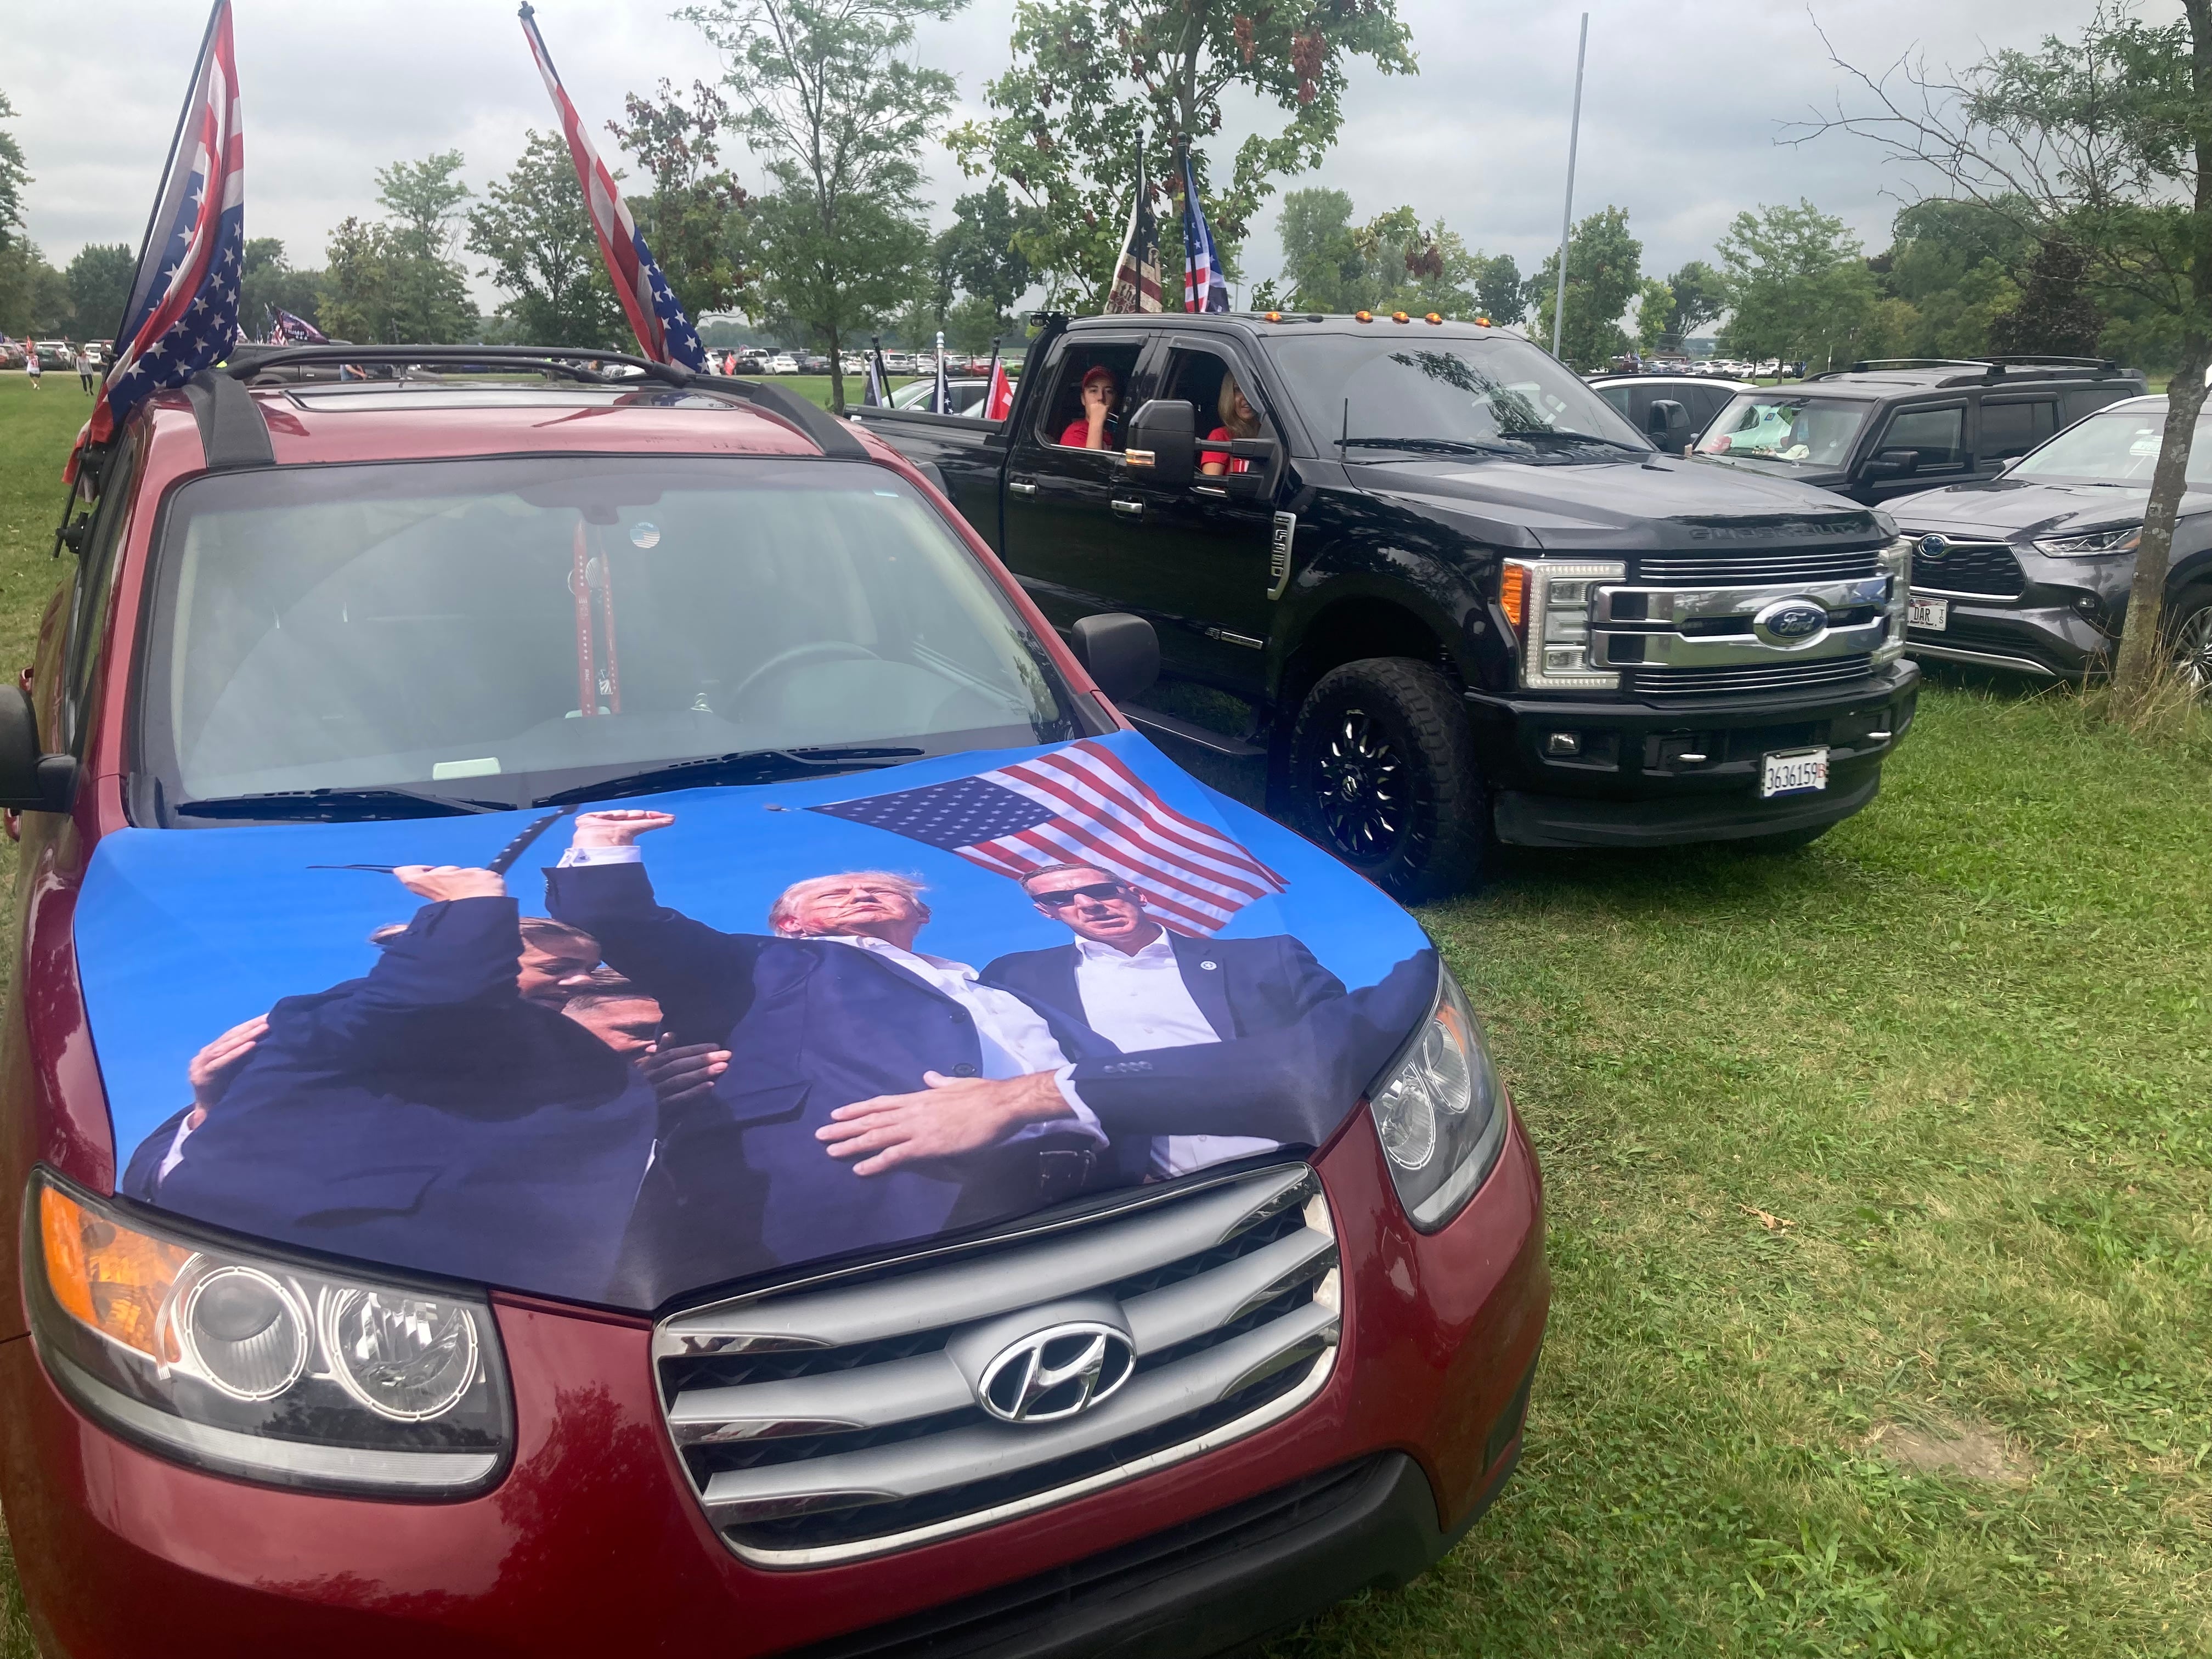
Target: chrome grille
pixel 838 1419
pixel 1715 682
pixel 1978 567
pixel 1754 565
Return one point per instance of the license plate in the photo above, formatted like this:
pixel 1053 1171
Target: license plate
pixel 1928 613
pixel 1793 772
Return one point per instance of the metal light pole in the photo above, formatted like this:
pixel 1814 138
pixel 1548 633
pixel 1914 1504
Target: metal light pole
pixel 1567 213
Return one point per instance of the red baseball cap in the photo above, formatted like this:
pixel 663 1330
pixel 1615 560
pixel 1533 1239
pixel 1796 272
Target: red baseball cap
pixel 1100 372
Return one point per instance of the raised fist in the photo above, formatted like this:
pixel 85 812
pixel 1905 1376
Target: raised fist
pixel 618 827
pixel 449 881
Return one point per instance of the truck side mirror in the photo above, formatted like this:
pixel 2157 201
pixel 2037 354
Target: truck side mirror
pixel 1163 442
pixel 1893 464
pixel 31 780
pixel 1120 651
pixel 1668 423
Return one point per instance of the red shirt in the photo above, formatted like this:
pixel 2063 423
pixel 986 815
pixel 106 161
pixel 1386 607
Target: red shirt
pixel 1078 436
pixel 1222 434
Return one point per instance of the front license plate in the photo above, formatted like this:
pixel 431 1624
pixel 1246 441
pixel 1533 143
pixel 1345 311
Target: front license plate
pixel 1793 772
pixel 1928 613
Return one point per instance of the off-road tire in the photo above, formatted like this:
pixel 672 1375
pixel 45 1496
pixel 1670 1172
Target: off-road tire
pixel 1383 775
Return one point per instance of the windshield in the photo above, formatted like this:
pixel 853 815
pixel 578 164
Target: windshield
pixel 1390 399
pixel 2116 447
pixel 504 630
pixel 1773 426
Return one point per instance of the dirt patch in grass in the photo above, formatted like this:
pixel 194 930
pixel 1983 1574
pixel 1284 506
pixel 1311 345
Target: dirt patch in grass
pixel 1971 1451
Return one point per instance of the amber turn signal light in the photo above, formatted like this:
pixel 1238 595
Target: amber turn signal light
pixel 107 1277
pixel 1513 595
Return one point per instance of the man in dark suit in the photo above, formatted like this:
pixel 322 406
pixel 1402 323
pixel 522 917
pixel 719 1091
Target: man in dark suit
pixel 427 1114
pixel 1143 988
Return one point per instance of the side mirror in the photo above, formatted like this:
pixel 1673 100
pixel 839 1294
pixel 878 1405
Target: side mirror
pixel 1893 464
pixel 1668 423
pixel 1163 442
pixel 1120 651
pixel 31 780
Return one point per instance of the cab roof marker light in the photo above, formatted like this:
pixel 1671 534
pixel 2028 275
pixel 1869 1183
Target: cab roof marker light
pixel 1399 317
pixel 1432 318
pixel 1363 316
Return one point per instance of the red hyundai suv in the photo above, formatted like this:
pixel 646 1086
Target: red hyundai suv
pixel 615 1047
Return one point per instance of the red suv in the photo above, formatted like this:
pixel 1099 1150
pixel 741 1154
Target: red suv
pixel 615 1045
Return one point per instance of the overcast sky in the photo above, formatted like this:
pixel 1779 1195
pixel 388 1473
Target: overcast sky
pixel 1683 104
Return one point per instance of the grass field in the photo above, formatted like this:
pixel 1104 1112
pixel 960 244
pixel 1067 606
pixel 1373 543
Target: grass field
pixel 1878 1178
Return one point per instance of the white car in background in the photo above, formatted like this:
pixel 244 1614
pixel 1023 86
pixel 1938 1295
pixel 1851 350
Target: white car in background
pixel 783 363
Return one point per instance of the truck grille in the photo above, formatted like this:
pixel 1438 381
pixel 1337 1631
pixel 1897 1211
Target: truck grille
pixel 1747 568
pixel 841 1418
pixel 1718 682
pixel 1981 567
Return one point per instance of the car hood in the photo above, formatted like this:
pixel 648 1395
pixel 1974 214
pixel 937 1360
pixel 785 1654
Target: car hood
pixel 405 1104
pixel 2005 507
pixel 1665 503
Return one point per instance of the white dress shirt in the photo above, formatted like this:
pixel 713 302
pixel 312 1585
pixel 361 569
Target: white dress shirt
pixel 1140 1001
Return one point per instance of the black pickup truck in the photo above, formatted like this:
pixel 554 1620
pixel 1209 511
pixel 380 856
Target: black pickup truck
pixel 1460 596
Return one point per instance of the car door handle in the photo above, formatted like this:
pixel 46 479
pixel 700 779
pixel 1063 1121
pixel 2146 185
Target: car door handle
pixel 1129 509
pixel 1020 487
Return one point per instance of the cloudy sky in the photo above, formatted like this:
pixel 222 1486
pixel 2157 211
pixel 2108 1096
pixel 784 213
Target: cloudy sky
pixel 1683 105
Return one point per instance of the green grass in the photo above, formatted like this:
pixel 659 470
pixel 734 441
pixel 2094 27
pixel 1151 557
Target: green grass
pixel 1959 1052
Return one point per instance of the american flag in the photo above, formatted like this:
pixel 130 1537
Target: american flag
pixel 285 329
pixel 1080 805
pixel 656 317
pixel 1203 289
pixel 1136 282
pixel 183 312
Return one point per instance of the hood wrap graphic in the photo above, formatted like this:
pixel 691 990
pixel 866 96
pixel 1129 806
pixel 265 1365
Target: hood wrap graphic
pixel 699 1037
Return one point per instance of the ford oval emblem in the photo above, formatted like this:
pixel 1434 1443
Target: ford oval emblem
pixel 1932 547
pixel 1790 622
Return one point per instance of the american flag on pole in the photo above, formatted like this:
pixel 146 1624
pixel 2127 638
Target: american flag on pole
pixel 285 329
pixel 1203 287
pixel 183 312
pixel 1136 282
pixel 656 317
pixel 1080 805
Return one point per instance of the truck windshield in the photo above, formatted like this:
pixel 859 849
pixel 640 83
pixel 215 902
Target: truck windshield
pixel 504 631
pixel 1387 398
pixel 1773 426
pixel 2117 446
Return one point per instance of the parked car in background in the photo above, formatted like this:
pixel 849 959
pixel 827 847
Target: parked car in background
pixel 433 1315
pixel 1701 395
pixel 783 363
pixel 2030 570
pixel 1881 430
pixel 967 394
pixel 55 353
pixel 899 362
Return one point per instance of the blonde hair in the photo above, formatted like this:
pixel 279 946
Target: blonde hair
pixel 786 903
pixel 1226 406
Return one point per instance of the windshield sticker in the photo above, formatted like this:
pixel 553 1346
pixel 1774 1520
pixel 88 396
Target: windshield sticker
pixel 645 535
pixel 623 1052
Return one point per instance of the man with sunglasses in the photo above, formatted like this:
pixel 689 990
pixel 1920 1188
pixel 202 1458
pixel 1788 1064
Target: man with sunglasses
pixel 1143 988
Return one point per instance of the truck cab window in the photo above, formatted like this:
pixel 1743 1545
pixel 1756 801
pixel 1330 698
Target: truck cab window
pixel 2011 429
pixel 1227 405
pixel 1066 419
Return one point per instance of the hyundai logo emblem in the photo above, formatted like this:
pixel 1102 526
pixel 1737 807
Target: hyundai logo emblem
pixel 1790 622
pixel 1932 547
pixel 1056 1372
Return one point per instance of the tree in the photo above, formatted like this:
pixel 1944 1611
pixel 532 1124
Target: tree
pixel 268 282
pixel 1952 266
pixel 1673 305
pixel 544 255
pixel 831 102
pixel 693 219
pixel 1796 286
pixel 99 287
pixel 1089 75
pixel 1322 266
pixel 1655 311
pixel 429 302
pixel 2104 143
pixel 34 297
pixel 1499 290
pixel 980 251
pixel 2055 314
pixel 14 177
pixel 357 282
pixel 1604 273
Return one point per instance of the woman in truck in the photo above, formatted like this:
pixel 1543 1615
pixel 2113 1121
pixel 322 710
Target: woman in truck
pixel 1238 421
pixel 1097 427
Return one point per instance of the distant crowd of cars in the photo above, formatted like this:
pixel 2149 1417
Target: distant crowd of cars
pixel 752 359
pixel 54 355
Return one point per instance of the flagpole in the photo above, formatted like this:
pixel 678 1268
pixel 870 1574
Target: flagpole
pixel 207 40
pixel 1567 214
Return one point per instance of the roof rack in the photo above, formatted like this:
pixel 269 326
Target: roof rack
pixel 1984 370
pixel 829 435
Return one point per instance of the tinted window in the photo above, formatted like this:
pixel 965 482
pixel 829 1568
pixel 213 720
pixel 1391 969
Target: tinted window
pixel 2089 399
pixel 2014 428
pixel 1937 434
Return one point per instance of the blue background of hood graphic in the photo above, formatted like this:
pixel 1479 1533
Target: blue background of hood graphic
pixel 182 934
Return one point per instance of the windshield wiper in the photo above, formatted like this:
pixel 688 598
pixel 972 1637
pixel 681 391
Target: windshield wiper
pixel 337 805
pixel 745 766
pixel 1571 440
pixel 1427 446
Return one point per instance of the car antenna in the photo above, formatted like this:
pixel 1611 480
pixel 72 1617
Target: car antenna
pixel 1343 437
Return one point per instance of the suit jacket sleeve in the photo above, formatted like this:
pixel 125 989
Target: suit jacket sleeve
pixel 1295 1084
pixel 1312 984
pixel 455 961
pixel 702 976
pixel 142 1176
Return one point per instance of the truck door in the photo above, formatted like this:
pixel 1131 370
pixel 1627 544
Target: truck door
pixel 1067 511
pixel 1195 558
pixel 1935 434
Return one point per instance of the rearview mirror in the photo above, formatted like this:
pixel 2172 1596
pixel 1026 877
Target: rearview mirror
pixel 32 780
pixel 1163 442
pixel 1893 464
pixel 1121 652
pixel 1668 423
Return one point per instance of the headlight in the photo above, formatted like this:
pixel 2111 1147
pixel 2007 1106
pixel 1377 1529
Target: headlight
pixel 1897 564
pixel 1437 1112
pixel 2122 538
pixel 251 1365
pixel 1550 604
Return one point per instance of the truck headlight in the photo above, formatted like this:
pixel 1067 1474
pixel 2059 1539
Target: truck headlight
pixel 1550 604
pixel 1437 1111
pixel 250 1365
pixel 1897 565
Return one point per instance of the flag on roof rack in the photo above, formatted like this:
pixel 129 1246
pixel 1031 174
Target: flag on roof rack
pixel 1203 287
pixel 656 316
pixel 182 316
pixel 1136 284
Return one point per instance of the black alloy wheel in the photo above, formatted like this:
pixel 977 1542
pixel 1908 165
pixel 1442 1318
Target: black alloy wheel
pixel 1383 775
